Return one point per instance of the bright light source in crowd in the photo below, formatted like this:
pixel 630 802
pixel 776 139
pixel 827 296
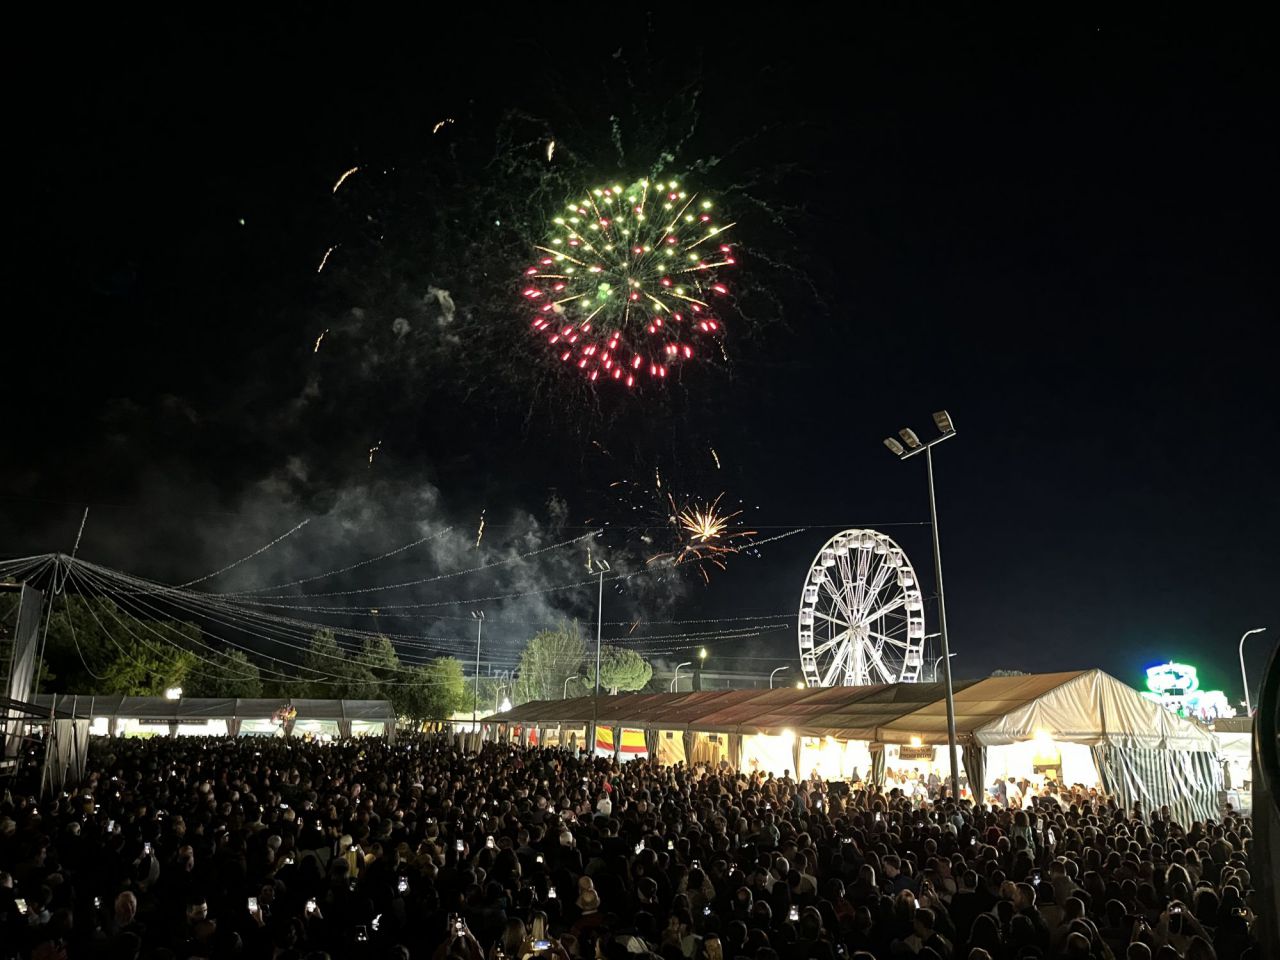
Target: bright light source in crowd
pixel 702 654
pixel 506 705
pixel 894 446
pixel 799 684
pixel 916 741
pixel 943 421
pixel 909 437
pixel 173 693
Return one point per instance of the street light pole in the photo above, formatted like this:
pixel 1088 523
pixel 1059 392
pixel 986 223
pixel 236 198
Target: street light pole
pixel 1244 678
pixel 933 677
pixel 565 695
pixel 676 677
pixel 946 430
pixel 942 624
pixel 775 671
pixel 478 615
pixel 603 566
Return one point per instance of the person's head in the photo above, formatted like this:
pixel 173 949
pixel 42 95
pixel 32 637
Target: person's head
pixel 1137 951
pixel 126 907
pixel 810 924
pixel 924 923
pixel 537 925
pixel 1077 945
pixel 197 909
pixel 513 936
pixel 985 933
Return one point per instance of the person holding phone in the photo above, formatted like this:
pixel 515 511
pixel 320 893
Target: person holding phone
pixel 458 941
pixel 539 944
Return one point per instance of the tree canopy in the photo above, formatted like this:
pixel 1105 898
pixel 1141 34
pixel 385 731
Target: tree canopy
pixel 232 674
pixel 94 646
pixel 549 659
pixel 437 690
pixel 621 670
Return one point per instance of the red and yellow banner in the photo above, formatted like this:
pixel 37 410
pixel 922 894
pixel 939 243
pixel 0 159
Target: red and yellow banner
pixel 632 741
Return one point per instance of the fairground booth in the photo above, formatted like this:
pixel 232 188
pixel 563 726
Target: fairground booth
pixel 1080 727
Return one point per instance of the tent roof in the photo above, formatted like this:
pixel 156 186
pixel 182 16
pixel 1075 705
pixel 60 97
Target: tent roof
pixel 213 708
pixel 1080 706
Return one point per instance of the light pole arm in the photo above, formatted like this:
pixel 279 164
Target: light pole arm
pixel 1244 677
pixel 675 679
pixel 773 673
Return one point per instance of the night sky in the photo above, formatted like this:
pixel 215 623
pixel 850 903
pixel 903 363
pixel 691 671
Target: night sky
pixel 1059 231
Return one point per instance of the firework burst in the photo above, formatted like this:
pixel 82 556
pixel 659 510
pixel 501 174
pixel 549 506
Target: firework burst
pixel 623 288
pixel 707 535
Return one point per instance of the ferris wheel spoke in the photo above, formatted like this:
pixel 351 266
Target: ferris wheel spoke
pixel 878 662
pixel 837 598
pixel 824 647
pixel 836 663
pixel 825 616
pixel 896 641
pixel 889 607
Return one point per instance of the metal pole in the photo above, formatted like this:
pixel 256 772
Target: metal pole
pixel 475 700
pixel 676 678
pixel 942 625
pixel 773 673
pixel 595 701
pixel 599 626
pixel 1244 677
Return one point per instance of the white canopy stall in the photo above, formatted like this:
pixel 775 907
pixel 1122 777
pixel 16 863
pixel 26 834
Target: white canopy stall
pixel 219 717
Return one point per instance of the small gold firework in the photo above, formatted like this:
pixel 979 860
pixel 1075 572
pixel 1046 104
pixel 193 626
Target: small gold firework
pixel 709 535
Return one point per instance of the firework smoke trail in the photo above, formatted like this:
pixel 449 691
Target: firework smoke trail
pixel 343 179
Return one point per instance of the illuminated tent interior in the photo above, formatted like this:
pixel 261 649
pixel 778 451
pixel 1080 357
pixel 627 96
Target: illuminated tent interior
pixel 1080 726
pixel 219 717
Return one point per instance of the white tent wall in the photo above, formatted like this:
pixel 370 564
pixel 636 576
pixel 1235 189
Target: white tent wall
pixel 834 759
pixel 670 747
pixel 209 716
pixel 768 753
pixel 1018 760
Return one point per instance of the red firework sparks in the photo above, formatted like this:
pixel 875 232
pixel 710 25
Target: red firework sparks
pixel 624 288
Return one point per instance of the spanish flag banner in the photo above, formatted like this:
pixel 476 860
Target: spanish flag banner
pixel 633 744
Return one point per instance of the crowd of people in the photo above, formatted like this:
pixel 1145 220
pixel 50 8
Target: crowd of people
pixel 417 850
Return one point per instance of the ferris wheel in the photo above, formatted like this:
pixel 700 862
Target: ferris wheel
pixel 861 614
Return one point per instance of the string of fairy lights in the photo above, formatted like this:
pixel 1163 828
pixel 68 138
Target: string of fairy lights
pixel 276 631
